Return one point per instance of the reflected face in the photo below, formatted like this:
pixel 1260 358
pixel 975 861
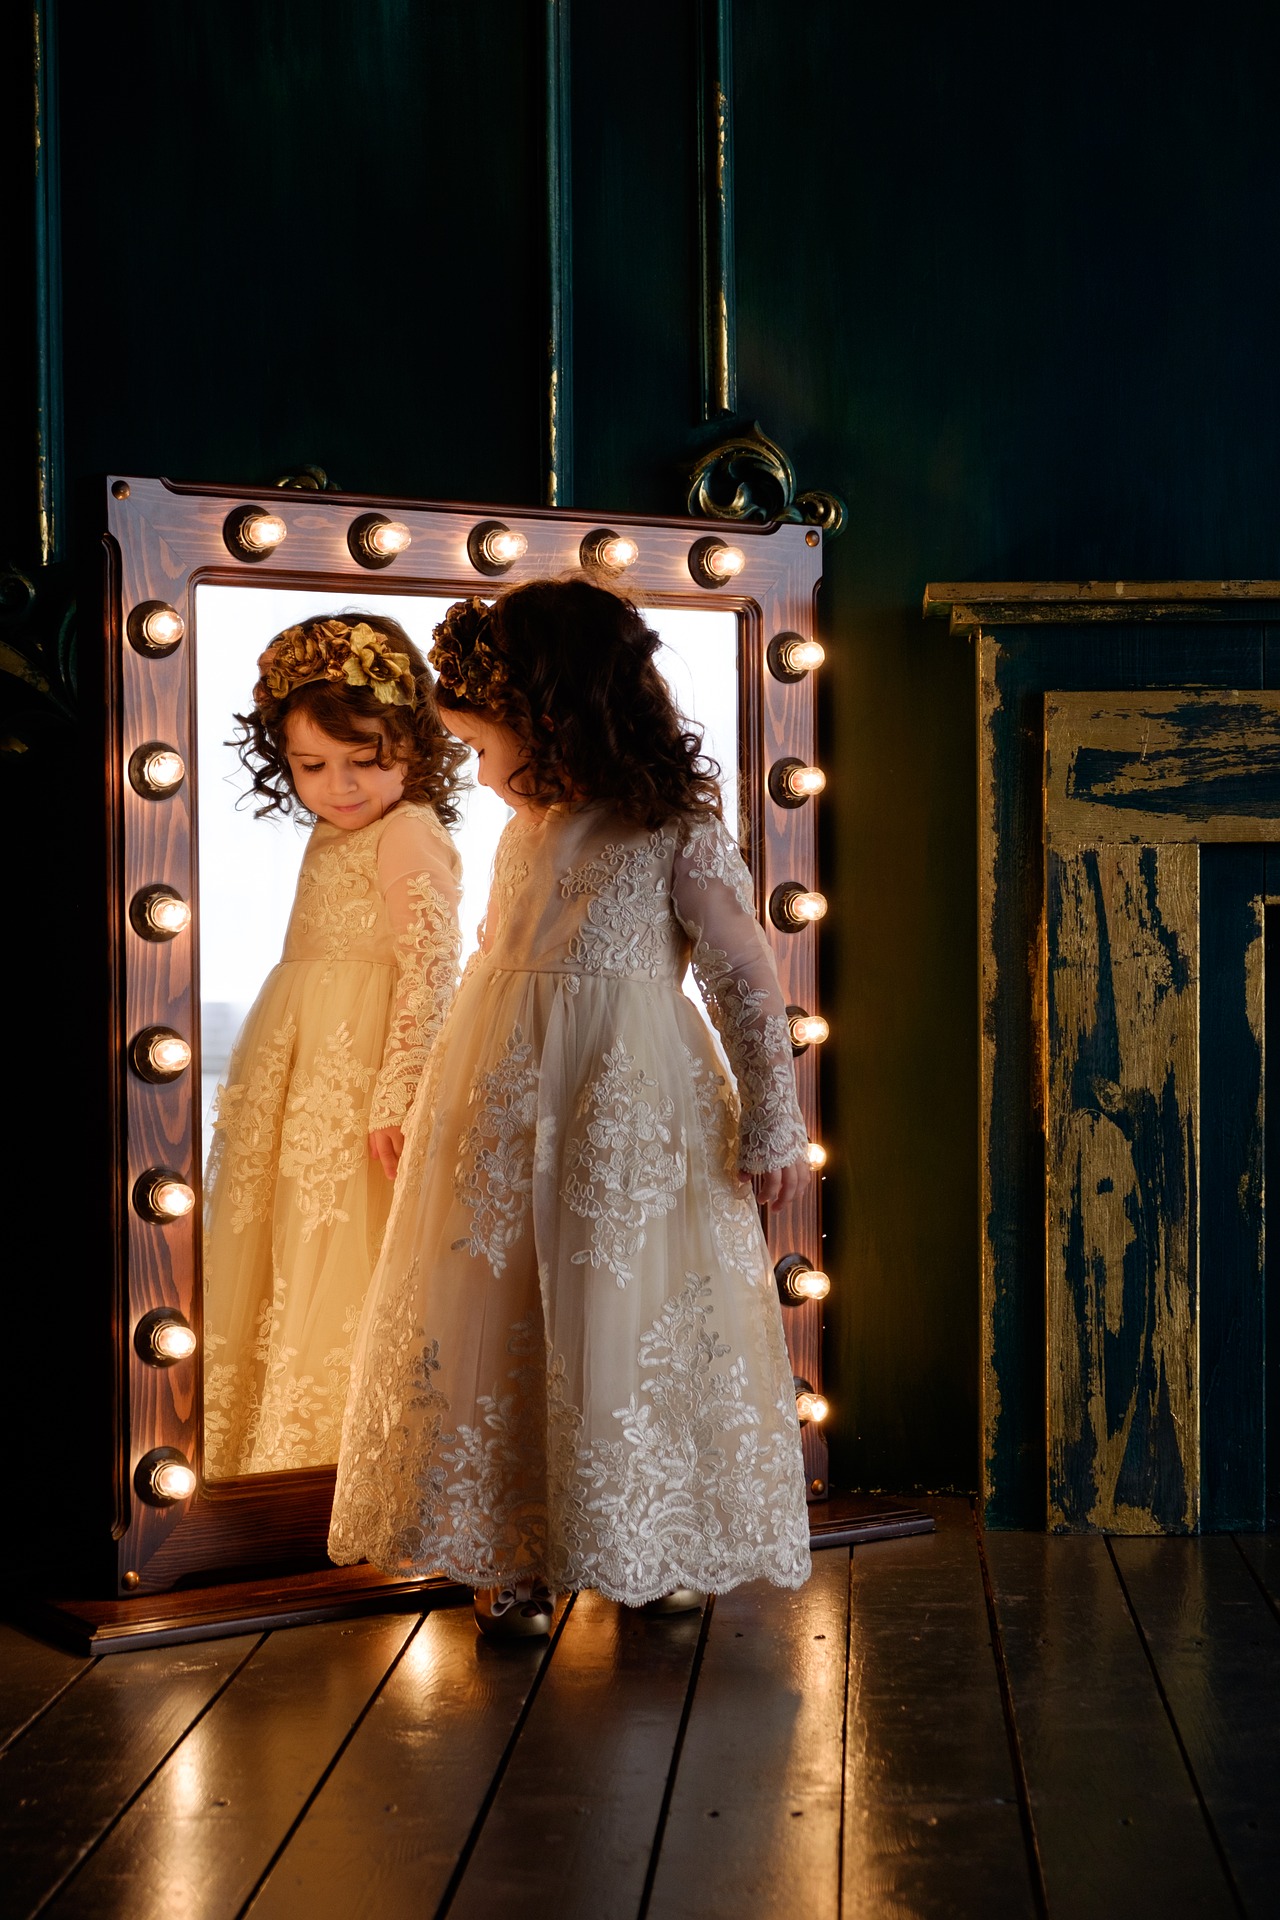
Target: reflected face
pixel 339 780
pixel 497 750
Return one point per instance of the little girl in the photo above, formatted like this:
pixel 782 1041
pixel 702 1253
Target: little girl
pixel 570 1370
pixel 307 1132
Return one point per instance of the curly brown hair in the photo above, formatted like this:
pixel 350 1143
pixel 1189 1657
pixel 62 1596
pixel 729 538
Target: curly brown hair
pixel 568 666
pixel 408 734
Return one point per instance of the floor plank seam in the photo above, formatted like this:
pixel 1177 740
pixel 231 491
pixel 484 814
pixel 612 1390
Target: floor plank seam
pixel 79 1865
pixel 20 1733
pixel 335 1757
pixel 486 1805
pixel 844 1741
pixel 1030 1839
pixel 1165 1702
pixel 1257 1579
pixel 651 1872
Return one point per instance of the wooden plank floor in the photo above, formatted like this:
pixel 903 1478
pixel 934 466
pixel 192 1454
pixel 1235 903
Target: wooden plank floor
pixel 941 1726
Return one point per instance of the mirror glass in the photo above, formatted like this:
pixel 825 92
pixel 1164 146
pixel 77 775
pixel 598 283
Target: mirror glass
pixel 248 867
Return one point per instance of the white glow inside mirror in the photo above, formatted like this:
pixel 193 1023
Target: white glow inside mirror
pixel 249 867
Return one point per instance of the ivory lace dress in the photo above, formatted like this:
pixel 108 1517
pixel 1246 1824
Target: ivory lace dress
pixel 295 1209
pixel 571 1359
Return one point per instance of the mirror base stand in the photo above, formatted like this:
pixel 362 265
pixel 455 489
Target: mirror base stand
pixel 96 1627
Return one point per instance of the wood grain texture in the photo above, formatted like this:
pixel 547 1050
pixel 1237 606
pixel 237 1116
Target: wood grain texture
pixel 590 1771
pixel 754 1820
pixel 1216 1646
pixel 931 1821
pixel 385 1833
pixel 32 1676
pixel 204 1830
pixel 1118 1826
pixel 1123 1140
pixel 66 1782
pixel 1160 767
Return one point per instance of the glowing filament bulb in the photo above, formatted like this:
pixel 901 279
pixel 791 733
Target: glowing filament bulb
pixel 619 553
pixel 388 538
pixel 816 1154
pixel 804 782
pixel 802 656
pixel 504 546
pixel 725 563
pixel 163 770
pixel 163 627
pixel 260 532
pixel 808 1029
pixel 173 1480
pixel 167 914
pixel 172 1199
pixel 811 1406
pixel 173 1340
pixel 169 1054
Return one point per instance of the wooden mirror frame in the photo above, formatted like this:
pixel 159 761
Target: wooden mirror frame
pixel 161 542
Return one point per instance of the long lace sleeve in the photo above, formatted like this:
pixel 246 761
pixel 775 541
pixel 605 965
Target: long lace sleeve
pixel 735 970
pixel 418 875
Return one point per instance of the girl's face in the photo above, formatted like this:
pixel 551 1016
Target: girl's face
pixel 339 780
pixel 497 749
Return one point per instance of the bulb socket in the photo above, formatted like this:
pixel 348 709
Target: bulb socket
pixel 159 913
pixel 493 547
pixel 163 1196
pixel 155 628
pixel 163 1477
pixel 164 1337
pixel 714 563
pixel 156 770
pixel 159 1055
pixel 253 534
pixel 374 541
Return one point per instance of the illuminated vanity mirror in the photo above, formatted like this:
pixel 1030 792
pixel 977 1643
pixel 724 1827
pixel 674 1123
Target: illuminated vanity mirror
pixel 197 581
pixel 248 872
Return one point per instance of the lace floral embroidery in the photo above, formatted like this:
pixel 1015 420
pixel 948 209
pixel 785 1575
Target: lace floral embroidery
pixel 712 855
pixel 247 1132
pixel 338 899
pixel 265 1416
pixel 494 1175
pixel 323 1138
pixel 733 1213
pixel 618 1172
pixel 427 963
pixel 628 926
pixel 759 1050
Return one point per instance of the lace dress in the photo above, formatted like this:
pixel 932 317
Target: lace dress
pixel 571 1359
pixel 295 1209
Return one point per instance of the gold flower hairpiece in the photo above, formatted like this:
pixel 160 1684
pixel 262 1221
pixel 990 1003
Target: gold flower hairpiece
pixel 468 666
pixel 335 650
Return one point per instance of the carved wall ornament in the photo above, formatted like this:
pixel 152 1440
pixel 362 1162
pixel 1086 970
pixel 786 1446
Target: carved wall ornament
pixel 746 476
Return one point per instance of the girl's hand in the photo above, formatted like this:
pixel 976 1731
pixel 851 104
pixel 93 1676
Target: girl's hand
pixel 387 1144
pixel 779 1187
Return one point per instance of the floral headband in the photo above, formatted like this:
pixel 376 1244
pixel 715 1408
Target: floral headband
pixel 468 664
pixel 339 651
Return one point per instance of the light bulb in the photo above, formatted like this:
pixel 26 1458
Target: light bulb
pixel 162 1195
pixel 816 1155
pixel 169 916
pixel 725 562
pixel 505 548
pixel 811 1406
pixel 809 906
pixel 158 913
pixel 158 1054
pixel 808 1029
pixel 391 537
pixel 163 1476
pixel 157 770
pixel 173 1340
pixel 804 782
pixel 802 656
pixel 262 531
pixel 619 553
pixel 792 906
pixel 155 627
pixel 174 1480
pixel 798 1281
pixel 376 541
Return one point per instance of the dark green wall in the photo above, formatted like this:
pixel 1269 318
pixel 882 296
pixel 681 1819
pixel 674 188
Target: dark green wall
pixel 1006 281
